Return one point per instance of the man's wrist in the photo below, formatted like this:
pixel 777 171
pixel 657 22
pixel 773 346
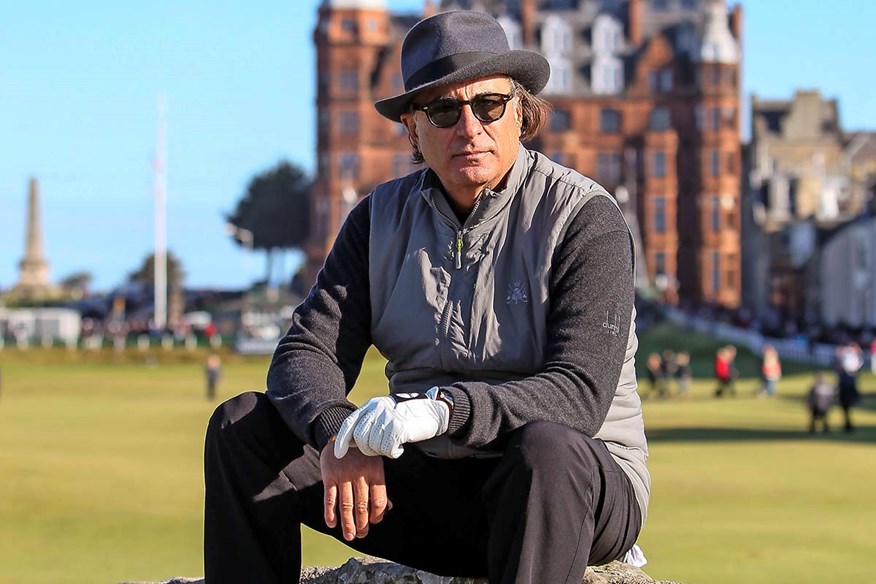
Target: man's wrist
pixel 438 395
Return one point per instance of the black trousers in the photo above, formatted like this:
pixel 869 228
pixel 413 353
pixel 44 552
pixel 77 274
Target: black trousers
pixel 555 502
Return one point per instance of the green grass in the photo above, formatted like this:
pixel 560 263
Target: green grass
pixel 101 475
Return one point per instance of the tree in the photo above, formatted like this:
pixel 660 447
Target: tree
pixel 77 283
pixel 145 274
pixel 274 213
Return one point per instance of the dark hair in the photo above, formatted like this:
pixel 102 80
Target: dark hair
pixel 534 113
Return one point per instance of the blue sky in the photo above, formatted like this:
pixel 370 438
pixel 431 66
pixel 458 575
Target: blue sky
pixel 79 85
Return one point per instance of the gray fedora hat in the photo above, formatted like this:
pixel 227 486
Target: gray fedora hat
pixel 458 46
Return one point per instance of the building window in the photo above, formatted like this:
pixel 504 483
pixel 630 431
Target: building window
pixel 606 33
pixel 560 120
pixel 715 163
pixel 348 25
pixel 731 162
pixel 659 119
pixel 608 168
pixel 348 122
pixel 556 36
pixel 715 76
pixel 715 213
pixel 660 214
pixel 660 80
pixel 349 80
pixel 324 125
pixel 698 117
pixel 560 81
pixel 730 278
pixel 607 75
pixel 659 4
pixel 729 117
pixel 658 164
pixel 512 31
pixel 659 263
pixel 716 272
pixel 609 121
pixel 348 165
pixel 688 4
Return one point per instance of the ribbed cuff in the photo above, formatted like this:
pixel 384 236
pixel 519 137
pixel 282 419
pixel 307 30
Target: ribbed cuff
pixel 461 411
pixel 327 424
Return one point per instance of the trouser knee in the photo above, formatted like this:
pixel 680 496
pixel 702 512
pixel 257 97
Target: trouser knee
pixel 541 442
pixel 235 410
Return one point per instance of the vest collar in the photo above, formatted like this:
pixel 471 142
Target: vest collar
pixel 489 204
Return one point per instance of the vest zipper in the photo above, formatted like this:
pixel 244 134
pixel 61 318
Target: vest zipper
pixel 458 250
pixel 457 247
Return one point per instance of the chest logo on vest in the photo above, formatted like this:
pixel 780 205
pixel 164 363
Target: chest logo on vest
pixel 516 293
pixel 611 326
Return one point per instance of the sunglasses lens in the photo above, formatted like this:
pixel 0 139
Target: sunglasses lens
pixel 488 108
pixel 444 112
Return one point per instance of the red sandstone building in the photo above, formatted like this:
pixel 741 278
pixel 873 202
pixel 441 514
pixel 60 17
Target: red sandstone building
pixel 646 101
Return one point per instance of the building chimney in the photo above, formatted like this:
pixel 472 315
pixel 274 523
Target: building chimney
pixel 527 22
pixel 736 23
pixel 634 22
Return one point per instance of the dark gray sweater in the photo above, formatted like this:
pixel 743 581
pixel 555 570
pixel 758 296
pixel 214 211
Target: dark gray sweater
pixel 318 360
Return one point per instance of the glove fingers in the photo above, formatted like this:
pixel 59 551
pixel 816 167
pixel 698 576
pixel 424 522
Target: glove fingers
pixel 363 432
pixel 345 434
pixel 381 430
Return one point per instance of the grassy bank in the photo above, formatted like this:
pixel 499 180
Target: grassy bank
pixel 101 475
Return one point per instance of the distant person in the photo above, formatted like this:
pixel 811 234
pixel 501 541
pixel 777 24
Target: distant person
pixel 820 399
pixel 725 371
pixel 654 373
pixel 770 371
pixel 667 371
pixel 873 356
pixel 212 371
pixel 683 373
pixel 849 360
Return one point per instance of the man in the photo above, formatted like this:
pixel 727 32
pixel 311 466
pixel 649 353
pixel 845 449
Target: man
pixel 499 286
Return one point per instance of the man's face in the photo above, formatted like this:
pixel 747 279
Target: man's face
pixel 469 155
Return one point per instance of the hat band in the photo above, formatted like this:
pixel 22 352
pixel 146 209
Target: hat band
pixel 443 67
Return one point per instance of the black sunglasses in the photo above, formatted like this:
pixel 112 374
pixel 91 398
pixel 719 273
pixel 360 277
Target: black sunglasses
pixel 445 112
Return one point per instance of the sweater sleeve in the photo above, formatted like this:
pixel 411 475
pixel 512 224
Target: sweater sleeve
pixel 591 287
pixel 317 362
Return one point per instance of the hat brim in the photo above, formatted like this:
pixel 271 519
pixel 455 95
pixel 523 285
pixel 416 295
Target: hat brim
pixel 528 68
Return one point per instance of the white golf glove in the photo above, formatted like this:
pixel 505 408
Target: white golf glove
pixel 383 424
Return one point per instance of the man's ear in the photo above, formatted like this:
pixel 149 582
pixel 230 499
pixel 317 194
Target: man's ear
pixel 411 126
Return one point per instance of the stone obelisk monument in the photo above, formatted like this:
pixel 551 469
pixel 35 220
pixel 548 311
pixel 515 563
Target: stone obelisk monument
pixel 33 269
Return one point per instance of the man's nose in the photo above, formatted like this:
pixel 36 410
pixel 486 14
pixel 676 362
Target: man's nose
pixel 468 124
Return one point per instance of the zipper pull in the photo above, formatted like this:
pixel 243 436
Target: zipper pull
pixel 458 250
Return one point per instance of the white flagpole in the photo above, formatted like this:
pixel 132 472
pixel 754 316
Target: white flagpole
pixel 161 217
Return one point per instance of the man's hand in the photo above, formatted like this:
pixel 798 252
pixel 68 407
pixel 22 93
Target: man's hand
pixel 383 424
pixel 354 489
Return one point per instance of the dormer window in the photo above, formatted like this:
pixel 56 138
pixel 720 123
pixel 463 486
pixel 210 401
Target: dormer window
pixel 607 75
pixel 560 81
pixel 606 34
pixel 512 31
pixel 556 36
